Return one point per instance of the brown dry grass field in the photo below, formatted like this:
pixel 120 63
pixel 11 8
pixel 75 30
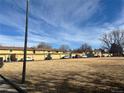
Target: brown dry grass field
pixel 86 75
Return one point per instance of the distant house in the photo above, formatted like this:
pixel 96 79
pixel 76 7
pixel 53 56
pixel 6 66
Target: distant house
pixel 97 52
pixel 101 53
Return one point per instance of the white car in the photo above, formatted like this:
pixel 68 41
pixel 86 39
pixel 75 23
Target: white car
pixel 85 56
pixel 27 59
pixel 65 57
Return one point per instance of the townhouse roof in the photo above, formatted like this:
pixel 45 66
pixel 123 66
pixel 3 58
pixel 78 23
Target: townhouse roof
pixel 21 48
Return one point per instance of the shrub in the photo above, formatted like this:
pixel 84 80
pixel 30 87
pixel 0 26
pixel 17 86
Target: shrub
pixel 48 57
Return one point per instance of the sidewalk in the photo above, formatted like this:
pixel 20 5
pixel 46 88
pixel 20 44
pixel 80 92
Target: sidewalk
pixel 6 88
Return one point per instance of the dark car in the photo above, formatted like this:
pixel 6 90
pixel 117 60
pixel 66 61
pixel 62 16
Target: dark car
pixel 78 56
pixel 1 62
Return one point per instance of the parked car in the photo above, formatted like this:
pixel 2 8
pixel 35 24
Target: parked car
pixel 90 55
pixel 78 56
pixel 65 57
pixel 27 59
pixel 1 62
pixel 85 56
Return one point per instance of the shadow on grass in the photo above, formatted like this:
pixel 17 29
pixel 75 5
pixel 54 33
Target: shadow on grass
pixel 76 83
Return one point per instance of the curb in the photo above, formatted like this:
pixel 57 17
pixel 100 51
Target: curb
pixel 20 90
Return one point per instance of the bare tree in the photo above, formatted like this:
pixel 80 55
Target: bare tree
pixel 84 48
pixel 44 45
pixel 116 37
pixel 113 39
pixel 116 50
pixel 64 48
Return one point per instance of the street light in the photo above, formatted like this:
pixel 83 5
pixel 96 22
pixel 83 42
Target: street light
pixel 25 43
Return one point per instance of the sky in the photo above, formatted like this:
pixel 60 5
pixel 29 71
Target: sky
pixel 70 22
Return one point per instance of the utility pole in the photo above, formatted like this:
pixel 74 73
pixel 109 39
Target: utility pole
pixel 25 43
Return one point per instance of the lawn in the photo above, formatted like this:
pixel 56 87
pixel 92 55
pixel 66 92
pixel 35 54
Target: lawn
pixel 88 75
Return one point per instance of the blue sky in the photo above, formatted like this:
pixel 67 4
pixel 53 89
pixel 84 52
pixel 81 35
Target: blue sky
pixel 70 22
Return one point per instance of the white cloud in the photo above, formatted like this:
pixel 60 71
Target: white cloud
pixel 63 14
